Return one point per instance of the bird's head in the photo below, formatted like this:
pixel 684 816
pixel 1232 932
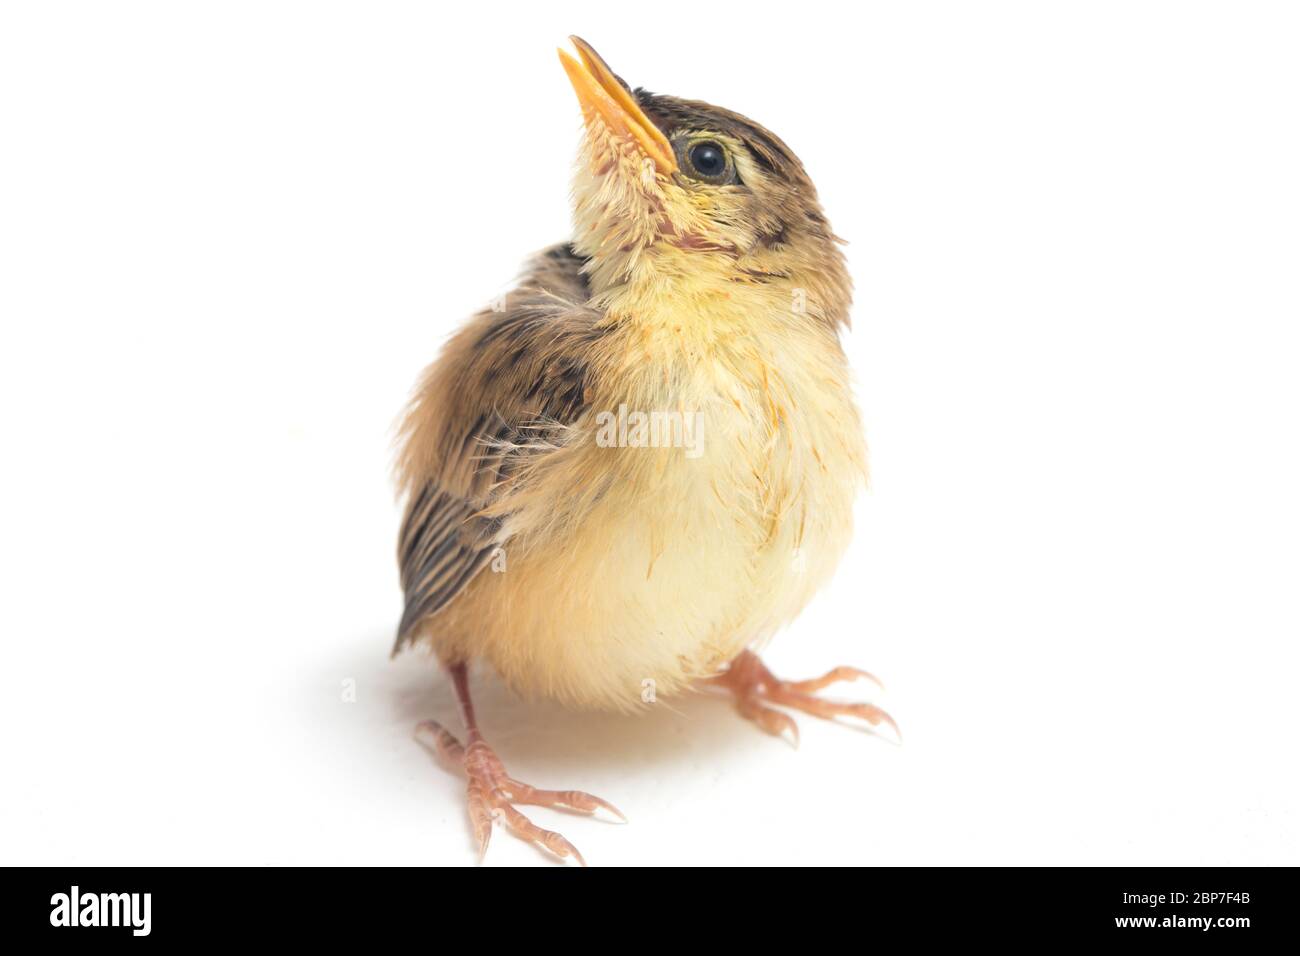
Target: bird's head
pixel 677 197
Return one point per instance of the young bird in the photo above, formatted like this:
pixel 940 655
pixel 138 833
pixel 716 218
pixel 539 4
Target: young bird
pixel 642 463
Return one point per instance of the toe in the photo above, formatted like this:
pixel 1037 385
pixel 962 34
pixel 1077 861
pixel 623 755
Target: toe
pixel 577 800
pixel 836 676
pixel 480 801
pixel 433 734
pixel 829 709
pixel 773 721
pixel 525 829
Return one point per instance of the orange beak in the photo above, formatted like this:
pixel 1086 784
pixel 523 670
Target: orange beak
pixel 603 96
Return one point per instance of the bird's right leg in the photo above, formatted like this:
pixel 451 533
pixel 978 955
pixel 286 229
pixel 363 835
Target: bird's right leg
pixel 493 792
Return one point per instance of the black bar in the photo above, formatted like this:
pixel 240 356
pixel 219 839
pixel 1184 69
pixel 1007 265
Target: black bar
pixel 1225 907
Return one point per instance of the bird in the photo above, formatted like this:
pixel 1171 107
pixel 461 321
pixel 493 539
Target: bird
pixel 623 477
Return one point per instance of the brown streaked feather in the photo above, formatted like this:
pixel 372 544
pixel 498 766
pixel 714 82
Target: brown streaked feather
pixel 443 545
pixel 503 387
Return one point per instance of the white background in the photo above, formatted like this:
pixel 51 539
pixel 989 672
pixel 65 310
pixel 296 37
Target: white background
pixel 232 234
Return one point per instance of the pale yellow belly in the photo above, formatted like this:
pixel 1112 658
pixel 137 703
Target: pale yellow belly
pixel 678 567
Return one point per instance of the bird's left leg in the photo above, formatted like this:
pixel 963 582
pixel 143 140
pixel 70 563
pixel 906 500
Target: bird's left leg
pixel 492 792
pixel 756 688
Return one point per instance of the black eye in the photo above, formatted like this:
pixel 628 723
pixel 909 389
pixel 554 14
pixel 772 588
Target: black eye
pixel 708 160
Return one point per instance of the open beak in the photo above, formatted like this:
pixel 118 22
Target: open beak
pixel 603 96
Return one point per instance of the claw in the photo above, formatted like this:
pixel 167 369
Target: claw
pixel 569 850
pixel 773 721
pixel 588 803
pixel 885 718
pixel 778 724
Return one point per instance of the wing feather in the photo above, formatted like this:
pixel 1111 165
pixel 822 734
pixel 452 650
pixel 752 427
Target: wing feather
pixel 505 378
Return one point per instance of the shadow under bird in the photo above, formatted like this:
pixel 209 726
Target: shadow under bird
pixel 631 472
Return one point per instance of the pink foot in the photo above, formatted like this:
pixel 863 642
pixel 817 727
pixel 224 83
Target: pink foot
pixel 493 793
pixel 755 687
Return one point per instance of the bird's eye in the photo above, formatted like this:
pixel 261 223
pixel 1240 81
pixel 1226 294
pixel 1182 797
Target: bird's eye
pixel 708 160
